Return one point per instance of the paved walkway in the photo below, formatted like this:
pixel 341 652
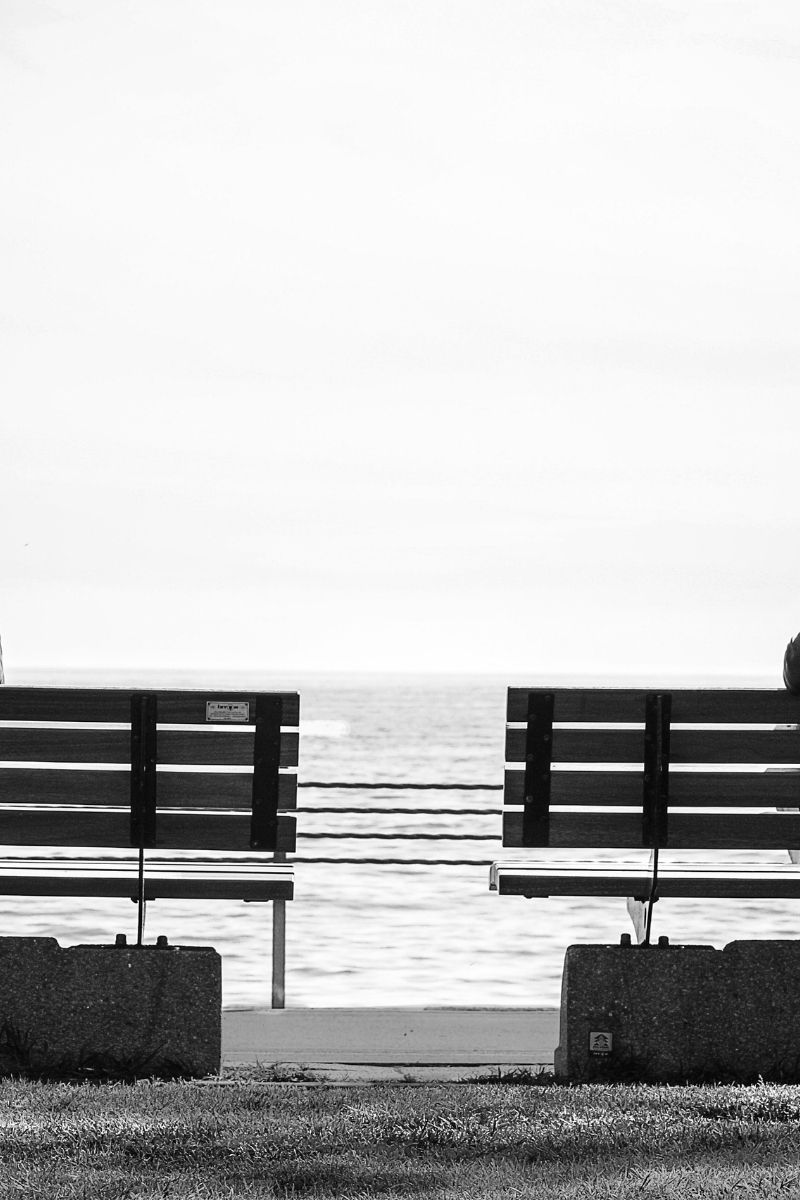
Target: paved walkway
pixel 341 1044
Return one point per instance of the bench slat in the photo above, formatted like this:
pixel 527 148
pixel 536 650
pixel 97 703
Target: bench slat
pixel 200 789
pixel 189 708
pixel 687 789
pixel 687 831
pixel 181 830
pixel 715 706
pixel 780 883
pixel 522 880
pixel 211 747
pixel 214 748
pixel 114 704
pixel 176 829
pixel 760 746
pixel 218 889
pixel 197 789
pixel 706 880
pixel 65 745
pixel 270 881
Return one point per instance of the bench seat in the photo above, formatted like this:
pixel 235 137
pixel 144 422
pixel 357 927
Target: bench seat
pixel 177 880
pixel 698 880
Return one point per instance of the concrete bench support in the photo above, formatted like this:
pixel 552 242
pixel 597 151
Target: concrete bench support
pixel 674 1013
pixel 141 1010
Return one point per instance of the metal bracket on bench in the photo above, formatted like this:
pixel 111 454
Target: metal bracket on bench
pixel 655 797
pixel 538 754
pixel 144 714
pixel 266 760
pixel 143 770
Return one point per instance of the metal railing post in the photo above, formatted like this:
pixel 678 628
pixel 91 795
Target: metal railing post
pixel 279 947
pixel 278 953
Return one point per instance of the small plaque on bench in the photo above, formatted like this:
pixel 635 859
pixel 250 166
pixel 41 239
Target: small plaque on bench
pixel 232 711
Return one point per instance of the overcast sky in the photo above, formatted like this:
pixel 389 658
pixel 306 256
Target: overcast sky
pixel 400 335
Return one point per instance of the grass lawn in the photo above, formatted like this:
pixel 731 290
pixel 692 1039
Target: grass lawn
pixel 457 1140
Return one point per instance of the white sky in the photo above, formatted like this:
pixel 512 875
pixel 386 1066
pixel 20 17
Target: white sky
pixel 405 334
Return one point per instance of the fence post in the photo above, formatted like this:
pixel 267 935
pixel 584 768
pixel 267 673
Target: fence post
pixel 278 953
pixel 279 948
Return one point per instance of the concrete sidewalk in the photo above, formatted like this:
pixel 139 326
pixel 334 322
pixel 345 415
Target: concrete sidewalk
pixel 391 1043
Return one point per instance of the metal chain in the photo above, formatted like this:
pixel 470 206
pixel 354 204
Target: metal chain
pixel 355 785
pixel 401 787
pixel 369 835
pixel 397 862
pixel 405 812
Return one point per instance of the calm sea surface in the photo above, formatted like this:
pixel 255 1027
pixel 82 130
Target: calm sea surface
pixel 399 934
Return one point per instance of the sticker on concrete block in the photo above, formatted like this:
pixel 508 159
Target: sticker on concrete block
pixel 600 1042
pixel 233 711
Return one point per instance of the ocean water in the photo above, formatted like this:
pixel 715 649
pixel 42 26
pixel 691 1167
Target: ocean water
pixel 399 933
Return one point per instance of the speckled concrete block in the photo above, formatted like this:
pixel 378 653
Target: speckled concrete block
pixel 141 1010
pixel 673 1013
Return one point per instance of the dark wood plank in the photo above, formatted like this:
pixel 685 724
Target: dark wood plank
pixel 687 831
pixel 65 704
pixel 41 744
pixel 519 880
pixel 114 704
pixel 287 791
pixel 176 829
pixel 219 889
pixel 196 789
pixel 211 747
pixel 122 886
pixel 189 708
pixel 778 884
pixel 270 882
pixel 744 746
pixel 68 827
pixel 201 789
pixel 618 788
pixel 750 746
pixel 703 705
pixel 583 745
pixel 30 785
pixel 687 789
pixel 233 880
pixel 535 881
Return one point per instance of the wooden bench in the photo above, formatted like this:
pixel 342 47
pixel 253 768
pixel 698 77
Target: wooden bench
pixel 196 785
pixel 663 773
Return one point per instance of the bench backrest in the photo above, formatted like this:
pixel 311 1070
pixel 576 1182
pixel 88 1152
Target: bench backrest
pixel 170 770
pixel 573 754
